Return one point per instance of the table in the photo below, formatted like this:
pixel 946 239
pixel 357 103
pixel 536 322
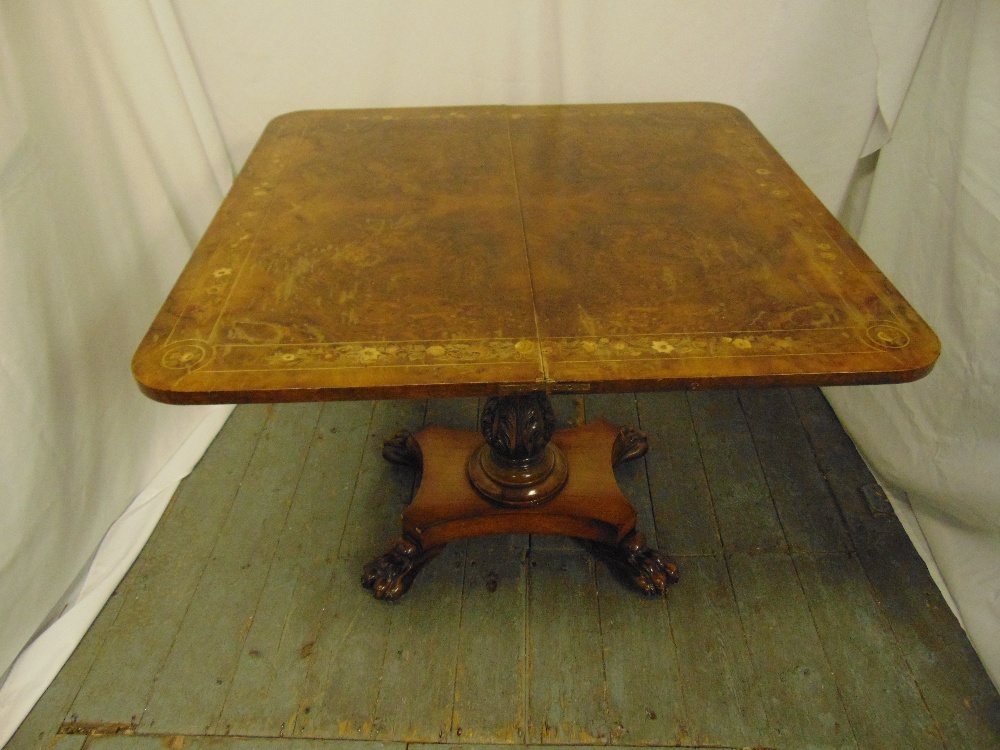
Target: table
pixel 512 253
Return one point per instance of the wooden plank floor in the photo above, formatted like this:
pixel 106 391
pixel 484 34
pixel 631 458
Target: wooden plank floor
pixel 803 619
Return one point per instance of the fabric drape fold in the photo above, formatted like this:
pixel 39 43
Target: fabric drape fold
pixel 932 224
pixel 109 172
pixel 899 31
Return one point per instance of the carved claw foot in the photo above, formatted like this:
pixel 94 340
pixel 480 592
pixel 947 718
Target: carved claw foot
pixel 390 575
pixel 647 569
pixel 403 449
pixel 630 443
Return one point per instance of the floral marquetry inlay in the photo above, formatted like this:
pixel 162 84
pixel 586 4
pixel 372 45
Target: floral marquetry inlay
pixel 478 250
pixel 391 355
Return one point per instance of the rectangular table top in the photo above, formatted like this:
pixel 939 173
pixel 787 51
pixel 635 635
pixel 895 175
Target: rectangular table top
pixel 481 250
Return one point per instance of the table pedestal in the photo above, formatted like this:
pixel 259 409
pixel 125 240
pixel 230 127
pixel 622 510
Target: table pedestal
pixel 519 476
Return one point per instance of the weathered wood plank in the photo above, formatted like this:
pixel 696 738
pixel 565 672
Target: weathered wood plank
pixel 341 689
pixel 640 664
pixel 567 700
pixel 717 674
pixel 954 686
pixel 189 691
pixel 157 590
pixel 471 746
pixel 862 651
pixel 180 742
pixel 490 674
pixel 68 742
pixel 846 472
pixel 264 696
pixel 322 664
pixel 681 503
pixel 490 668
pixel 794 678
pixel 40 727
pixel 382 489
pixel 745 512
pixel 338 695
pixel 809 514
pixel 453 413
pixel 416 699
pixel 416 695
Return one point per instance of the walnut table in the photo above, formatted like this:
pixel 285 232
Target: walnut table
pixel 512 253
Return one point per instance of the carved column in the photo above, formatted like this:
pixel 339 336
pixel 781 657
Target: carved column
pixel 518 466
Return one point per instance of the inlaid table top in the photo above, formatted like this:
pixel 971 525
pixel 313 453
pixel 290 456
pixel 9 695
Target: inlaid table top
pixel 495 250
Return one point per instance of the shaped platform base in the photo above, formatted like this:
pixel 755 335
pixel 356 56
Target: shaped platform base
pixel 446 507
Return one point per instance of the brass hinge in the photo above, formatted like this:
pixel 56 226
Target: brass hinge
pixel 541 384
pixel 554 386
pixel 570 387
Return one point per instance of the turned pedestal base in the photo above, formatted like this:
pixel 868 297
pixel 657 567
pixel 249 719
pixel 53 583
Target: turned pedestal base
pixel 588 505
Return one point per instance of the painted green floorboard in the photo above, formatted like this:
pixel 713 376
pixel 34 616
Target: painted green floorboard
pixel 69 742
pixel 416 695
pixel 263 699
pixel 180 742
pixel 506 640
pixel 490 673
pixel 952 682
pixel 640 666
pixel 168 742
pixel 344 666
pixel 809 515
pixel 421 746
pixel 567 694
pixel 159 587
pixel 747 519
pixel 453 413
pixel 846 472
pixel 862 651
pixel 792 671
pixel 345 663
pixel 678 488
pixel 717 676
pixel 190 690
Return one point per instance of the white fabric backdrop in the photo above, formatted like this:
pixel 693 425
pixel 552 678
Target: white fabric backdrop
pixel 110 168
pixel 807 73
pixel 111 163
pixel 933 226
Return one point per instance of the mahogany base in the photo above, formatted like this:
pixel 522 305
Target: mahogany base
pixel 446 507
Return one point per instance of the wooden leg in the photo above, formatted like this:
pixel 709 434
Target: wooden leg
pixel 648 570
pixel 518 476
pixel 630 444
pixel 390 575
pixel 403 449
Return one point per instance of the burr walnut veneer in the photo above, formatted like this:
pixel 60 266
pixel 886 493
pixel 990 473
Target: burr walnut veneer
pixel 510 253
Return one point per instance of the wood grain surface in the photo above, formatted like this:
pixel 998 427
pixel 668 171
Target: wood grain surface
pixel 415 253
